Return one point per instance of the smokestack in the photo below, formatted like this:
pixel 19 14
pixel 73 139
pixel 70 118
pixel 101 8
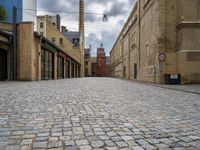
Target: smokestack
pixel 81 30
pixel 81 17
pixel 63 29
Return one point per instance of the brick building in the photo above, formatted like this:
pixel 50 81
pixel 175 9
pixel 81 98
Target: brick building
pixel 159 43
pixel 100 65
pixel 46 54
pixel 38 58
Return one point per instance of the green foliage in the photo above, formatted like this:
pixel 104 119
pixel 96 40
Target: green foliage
pixel 3 14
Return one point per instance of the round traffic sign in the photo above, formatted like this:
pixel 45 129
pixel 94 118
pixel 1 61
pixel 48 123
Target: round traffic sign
pixel 162 56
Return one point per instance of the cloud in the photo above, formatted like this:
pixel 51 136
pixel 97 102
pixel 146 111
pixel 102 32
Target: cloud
pixel 108 41
pixel 93 40
pixel 117 9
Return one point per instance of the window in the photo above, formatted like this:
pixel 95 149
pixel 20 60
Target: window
pixel 54 39
pixel 133 40
pixel 54 24
pixel 76 41
pixel 41 25
pixel 86 62
pixel 61 40
pixel 42 33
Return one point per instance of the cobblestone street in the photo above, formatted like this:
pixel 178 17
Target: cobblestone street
pixel 97 113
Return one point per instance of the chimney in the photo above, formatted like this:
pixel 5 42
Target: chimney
pixel 63 29
pixel 81 17
pixel 58 22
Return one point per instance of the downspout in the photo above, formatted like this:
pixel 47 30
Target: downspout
pixel 129 57
pixel 39 59
pixel 139 26
pixel 14 43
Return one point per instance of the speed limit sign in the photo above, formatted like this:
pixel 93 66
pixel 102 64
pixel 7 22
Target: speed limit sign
pixel 162 57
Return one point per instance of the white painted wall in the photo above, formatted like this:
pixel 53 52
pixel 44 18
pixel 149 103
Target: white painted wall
pixel 30 15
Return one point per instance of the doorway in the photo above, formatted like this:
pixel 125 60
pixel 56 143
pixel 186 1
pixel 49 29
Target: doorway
pixel 47 66
pixel 60 68
pixel 3 65
pixel 135 71
pixel 124 72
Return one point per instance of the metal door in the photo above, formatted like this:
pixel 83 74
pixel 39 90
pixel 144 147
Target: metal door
pixel 3 65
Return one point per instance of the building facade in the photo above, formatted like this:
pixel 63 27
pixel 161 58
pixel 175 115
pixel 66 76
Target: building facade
pixel 26 10
pixel 88 62
pixel 69 42
pixel 38 58
pixel 42 22
pixel 159 43
pixel 100 64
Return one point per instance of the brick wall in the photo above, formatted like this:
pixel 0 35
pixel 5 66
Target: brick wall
pixel 67 47
pixel 26 52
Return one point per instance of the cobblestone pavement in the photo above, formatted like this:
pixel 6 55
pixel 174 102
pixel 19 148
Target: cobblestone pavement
pixel 97 113
pixel 193 88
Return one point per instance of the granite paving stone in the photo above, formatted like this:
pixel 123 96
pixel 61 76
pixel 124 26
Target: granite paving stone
pixel 98 113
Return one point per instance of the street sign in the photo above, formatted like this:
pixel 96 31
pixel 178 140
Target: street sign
pixel 162 57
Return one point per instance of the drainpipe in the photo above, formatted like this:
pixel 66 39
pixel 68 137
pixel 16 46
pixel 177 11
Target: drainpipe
pixel 129 57
pixel 39 59
pixel 139 22
pixel 14 43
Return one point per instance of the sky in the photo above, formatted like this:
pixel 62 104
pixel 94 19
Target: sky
pixel 96 31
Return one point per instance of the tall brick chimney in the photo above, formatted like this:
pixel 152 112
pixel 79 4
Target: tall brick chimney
pixel 81 17
pixel 81 30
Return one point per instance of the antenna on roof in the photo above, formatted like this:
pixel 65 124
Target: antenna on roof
pixel 101 45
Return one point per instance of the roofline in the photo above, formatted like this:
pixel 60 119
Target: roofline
pixel 51 43
pixel 6 33
pixel 134 8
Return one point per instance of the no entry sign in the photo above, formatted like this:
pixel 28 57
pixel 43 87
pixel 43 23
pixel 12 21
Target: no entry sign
pixel 162 57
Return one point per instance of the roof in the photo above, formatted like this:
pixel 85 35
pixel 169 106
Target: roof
pixel 125 24
pixel 6 33
pixel 70 35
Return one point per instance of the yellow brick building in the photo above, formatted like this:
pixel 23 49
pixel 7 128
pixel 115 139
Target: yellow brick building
pixel 38 58
pixel 159 43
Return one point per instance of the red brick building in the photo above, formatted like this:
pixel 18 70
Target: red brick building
pixel 100 64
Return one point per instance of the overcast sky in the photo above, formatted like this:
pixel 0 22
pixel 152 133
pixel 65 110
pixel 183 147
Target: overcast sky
pixel 96 31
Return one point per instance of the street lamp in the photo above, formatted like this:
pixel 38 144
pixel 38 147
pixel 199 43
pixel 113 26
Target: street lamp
pixel 105 18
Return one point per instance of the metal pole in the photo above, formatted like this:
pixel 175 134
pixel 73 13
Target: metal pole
pixel 14 43
pixel 154 71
